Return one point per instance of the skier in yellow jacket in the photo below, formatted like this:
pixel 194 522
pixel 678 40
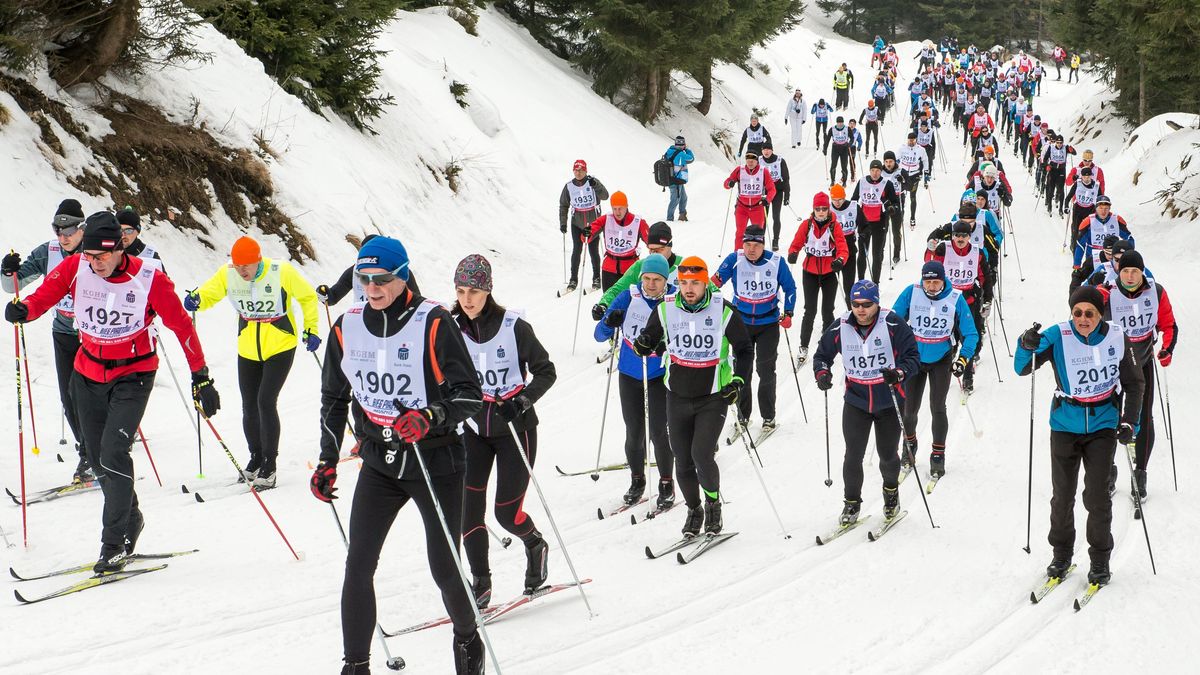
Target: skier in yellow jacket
pixel 261 291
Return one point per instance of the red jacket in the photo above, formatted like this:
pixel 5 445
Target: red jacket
pixel 162 302
pixel 975 130
pixel 1168 330
pixel 768 185
pixel 981 279
pixel 1097 173
pixel 814 264
pixel 613 263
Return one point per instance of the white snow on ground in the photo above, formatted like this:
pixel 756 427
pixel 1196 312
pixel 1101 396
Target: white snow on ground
pixel 951 599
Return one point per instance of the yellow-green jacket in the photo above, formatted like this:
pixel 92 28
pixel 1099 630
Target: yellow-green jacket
pixel 266 322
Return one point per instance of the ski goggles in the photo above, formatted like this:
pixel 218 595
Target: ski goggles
pixel 378 278
pixel 68 230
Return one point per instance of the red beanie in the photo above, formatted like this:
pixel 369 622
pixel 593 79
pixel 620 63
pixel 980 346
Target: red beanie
pixel 820 200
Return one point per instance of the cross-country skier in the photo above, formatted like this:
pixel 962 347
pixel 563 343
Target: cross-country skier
pixel 821 238
pixel 658 241
pixel 778 168
pixel 621 231
pixel 755 189
pixel 754 136
pixel 967 272
pixel 579 202
pixel 131 236
pixel 839 134
pixel 1094 228
pixel 877 198
pixel 851 219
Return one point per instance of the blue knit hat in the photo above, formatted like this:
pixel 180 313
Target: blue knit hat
pixel 656 264
pixel 864 289
pixel 384 252
pixel 933 270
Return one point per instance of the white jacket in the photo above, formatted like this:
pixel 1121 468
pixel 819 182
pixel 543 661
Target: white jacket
pixel 796 111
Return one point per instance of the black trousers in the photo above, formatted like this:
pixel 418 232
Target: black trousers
pixel 856 427
pixel 260 383
pixel 872 132
pixel 377 500
pixel 841 98
pixel 848 271
pixel 576 233
pixel 765 339
pixel 839 153
pixel 1095 451
pixel 634 414
pixel 938 376
pixel 512 481
pixel 872 242
pixel 821 127
pixel 66 345
pixel 109 416
pixel 774 210
pixel 1145 437
pixel 827 286
pixel 695 426
pixel 1078 213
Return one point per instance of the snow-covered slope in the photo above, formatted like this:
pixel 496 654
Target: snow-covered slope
pixel 951 599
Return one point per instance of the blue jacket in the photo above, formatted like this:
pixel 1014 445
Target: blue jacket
pixel 932 352
pixel 680 159
pixel 1077 418
pixel 821 113
pixel 878 45
pixel 872 397
pixel 763 314
pixel 629 363
pixel 1084 248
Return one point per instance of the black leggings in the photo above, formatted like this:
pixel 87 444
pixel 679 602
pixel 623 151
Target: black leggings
pixel 377 500
pixel 260 383
pixel 874 242
pixel 821 126
pixel 938 375
pixel 634 415
pixel 577 252
pixel 694 426
pixel 65 347
pixel 765 339
pixel 1145 437
pixel 841 153
pixel 872 132
pixel 512 480
pixel 827 286
pixel 856 427
pixel 776 207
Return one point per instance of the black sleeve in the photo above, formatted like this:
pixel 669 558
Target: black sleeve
pixel 742 144
pixel 652 333
pixel 335 397
pixel 739 342
pixel 827 348
pixel 1133 382
pixel 343 285
pixel 564 206
pixel 785 178
pixel 601 191
pixel 536 360
pixel 461 395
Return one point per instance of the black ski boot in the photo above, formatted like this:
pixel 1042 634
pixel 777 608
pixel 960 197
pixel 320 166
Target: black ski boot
pixel 468 655
pixel 250 472
pixel 1112 481
pixel 891 502
pixel 937 463
pixel 850 512
pixel 1139 484
pixel 712 517
pixel 637 487
pixel 1099 575
pixel 83 470
pixel 481 588
pixel 1058 568
pixel 574 283
pixel 909 453
pixel 265 480
pixel 693 522
pixel 356 667
pixel 536 556
pixel 112 559
pixel 133 530
pixel 596 284
pixel 666 495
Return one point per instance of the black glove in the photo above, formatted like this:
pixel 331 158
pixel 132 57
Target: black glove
pixel 1125 433
pixel 642 346
pixel 598 311
pixel 731 391
pixel 959 366
pixel 793 257
pixel 204 394
pixel 322 482
pixel 16 312
pixel 562 228
pixel 837 265
pixel 511 410
pixel 764 202
pixel 11 264
pixel 615 318
pixel 1031 338
pixel 323 294
pixel 824 380
pixel 787 198
pixel 730 183
pixel 1007 200
pixel 892 376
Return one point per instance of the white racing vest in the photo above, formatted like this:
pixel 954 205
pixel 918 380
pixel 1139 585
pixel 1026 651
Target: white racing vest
pixel 1093 371
pixel 756 135
pixel 993 193
pixel 979 121
pixel 697 339
pixel 1058 155
pixel 822 246
pixel 1138 315
pixel 776 168
pixel 961 98
pixel 750 184
pixel 932 320
pixel 924 138
pixel 621 240
pixel 257 300
pixel 871 114
pixel 637 314
pixel 1098 231
pixel 54 257
pixel 583 197
pixel 381 369
pixel 147 256
pixel 880 90
pixel 840 136
pixel 497 365
pixel 1085 195
pixel 961 270
pixel 111 313
pixel 870 198
pixel 847 217
pixel 893 176
pixel 864 358
pixel 910 158
pixel 756 284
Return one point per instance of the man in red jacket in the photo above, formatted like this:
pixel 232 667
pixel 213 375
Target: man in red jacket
pixel 622 232
pixel 825 254
pixel 755 190
pixel 117 297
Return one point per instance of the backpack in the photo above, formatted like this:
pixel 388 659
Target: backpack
pixel 664 170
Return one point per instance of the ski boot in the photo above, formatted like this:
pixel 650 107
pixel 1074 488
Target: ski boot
pixel 850 512
pixel 265 479
pixel 536 555
pixel 83 471
pixel 768 426
pixel 481 589
pixel 1058 568
pixel 468 655
pixel 909 453
pixel 693 522
pixel 937 463
pixel 666 495
pixel 1100 574
pixel 891 502
pixel 1112 481
pixel 134 530
pixel 356 667
pixel 1139 484
pixel 112 559
pixel 596 284
pixel 637 487
pixel 801 356
pixel 712 517
pixel 251 471
pixel 572 285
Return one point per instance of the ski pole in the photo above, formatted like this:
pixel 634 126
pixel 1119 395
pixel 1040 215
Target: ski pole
pixel 328 318
pixel 62 426
pixel 1003 330
pixel 828 475
pixel 20 422
pixel 566 273
pixel 1016 251
pixel 1170 430
pixel 932 207
pixel 36 449
pixel 911 460
pixel 795 374
pixel 524 453
pixel 393 663
pixel 749 445
pixel 149 456
pixel 604 414
pixel 1137 497
pixel 725 227
pixel 504 542
pixel 187 408
pixel 1029 499
pixel 967 405
pixel 583 256
pixel 253 491
pixel 646 426
pixel 199 443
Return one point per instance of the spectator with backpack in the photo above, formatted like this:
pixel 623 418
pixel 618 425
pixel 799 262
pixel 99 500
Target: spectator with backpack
pixel 678 156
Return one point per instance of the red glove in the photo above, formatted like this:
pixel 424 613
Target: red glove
pixel 1164 358
pixel 322 482
pixel 786 321
pixel 412 426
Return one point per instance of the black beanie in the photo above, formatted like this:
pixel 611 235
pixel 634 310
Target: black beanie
pixel 69 207
pixel 889 155
pixel 659 234
pixel 967 210
pixel 101 233
pixel 127 216
pixel 1090 295
pixel 1131 259
pixel 962 227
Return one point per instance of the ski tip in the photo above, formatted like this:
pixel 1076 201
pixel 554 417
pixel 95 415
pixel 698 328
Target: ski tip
pixel 600 513
pixel 1078 606
pixel 183 489
pixel 632 519
pixel 819 542
pixel 1033 597
pixel 679 557
pixel 870 536
pixel 15 575
pixel 20 599
pixel 199 499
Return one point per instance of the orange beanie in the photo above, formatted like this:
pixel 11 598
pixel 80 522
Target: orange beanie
pixel 245 251
pixel 692 264
pixel 837 191
pixel 618 198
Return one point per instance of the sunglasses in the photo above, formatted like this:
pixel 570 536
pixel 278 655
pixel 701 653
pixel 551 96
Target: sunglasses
pixel 1081 313
pixel 691 269
pixel 97 257
pixel 862 304
pixel 962 235
pixel 127 231
pixel 67 231
pixel 820 208
pixel 378 278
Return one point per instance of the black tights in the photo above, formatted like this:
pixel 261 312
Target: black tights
pixel 694 426
pixel 827 286
pixel 634 415
pixel 512 481
pixel 260 383
pixel 938 375
pixel 856 427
